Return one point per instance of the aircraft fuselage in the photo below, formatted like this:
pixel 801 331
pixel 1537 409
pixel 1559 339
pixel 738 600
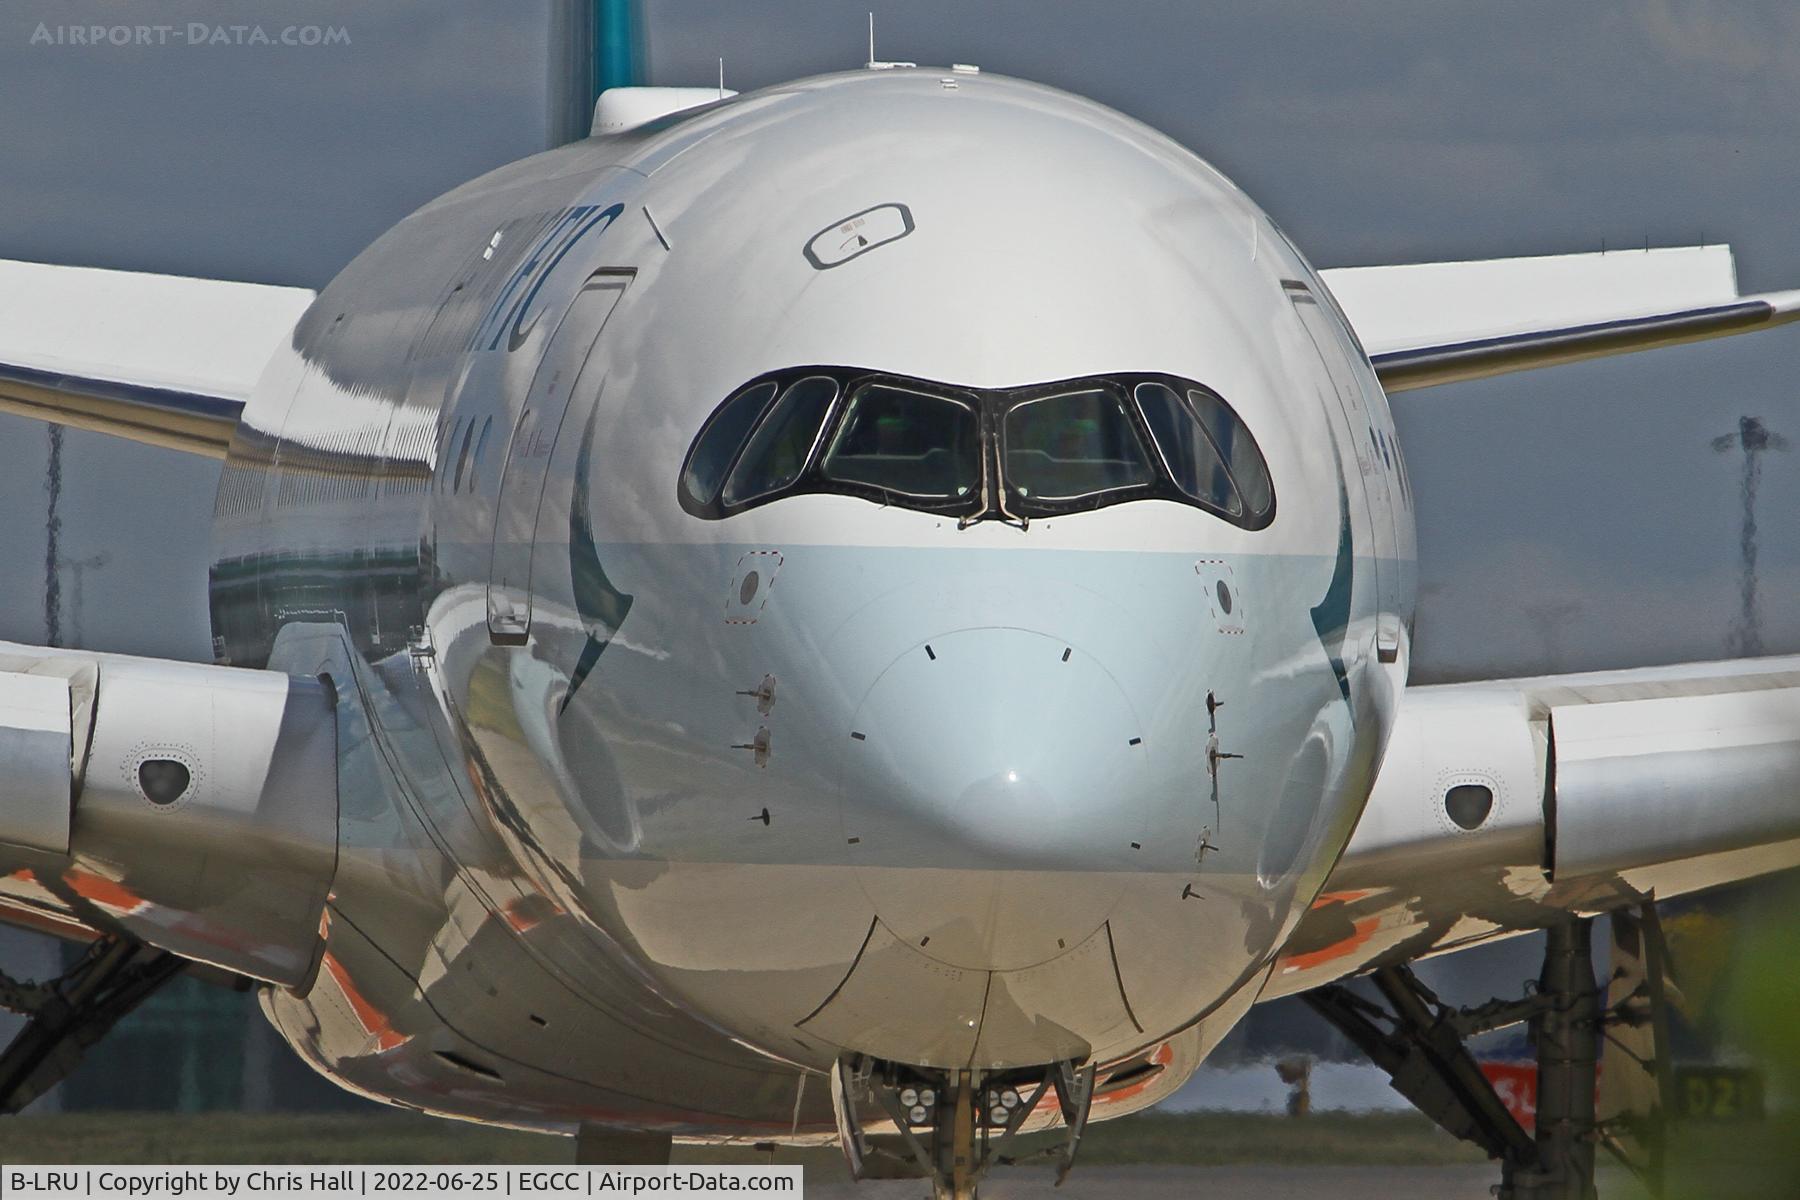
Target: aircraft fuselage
pixel 655 801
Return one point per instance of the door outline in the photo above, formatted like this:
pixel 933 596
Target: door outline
pixel 1337 357
pixel 532 445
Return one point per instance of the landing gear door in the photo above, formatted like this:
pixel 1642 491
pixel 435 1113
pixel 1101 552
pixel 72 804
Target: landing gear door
pixel 570 365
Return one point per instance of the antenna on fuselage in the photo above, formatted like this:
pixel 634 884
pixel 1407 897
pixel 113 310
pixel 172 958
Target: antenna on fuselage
pixel 875 64
pixel 721 77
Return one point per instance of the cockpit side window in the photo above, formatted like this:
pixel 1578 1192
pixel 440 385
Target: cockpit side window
pixel 1239 449
pixel 718 443
pixel 1073 445
pixel 783 443
pixel 907 443
pixel 1187 449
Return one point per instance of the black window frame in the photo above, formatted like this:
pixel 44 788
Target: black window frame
pixel 990 497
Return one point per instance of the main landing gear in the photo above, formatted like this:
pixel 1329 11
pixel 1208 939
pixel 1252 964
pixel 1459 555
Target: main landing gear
pixel 70 1013
pixel 1420 1042
pixel 951 1126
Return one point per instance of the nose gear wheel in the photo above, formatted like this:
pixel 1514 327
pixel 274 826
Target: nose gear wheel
pixel 951 1126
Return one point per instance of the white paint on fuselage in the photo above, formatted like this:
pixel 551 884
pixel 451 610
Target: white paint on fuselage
pixel 1054 238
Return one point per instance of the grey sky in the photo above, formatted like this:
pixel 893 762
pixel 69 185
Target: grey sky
pixel 264 163
pixel 1376 132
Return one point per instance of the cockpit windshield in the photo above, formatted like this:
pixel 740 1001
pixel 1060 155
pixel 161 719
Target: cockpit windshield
pixel 1071 445
pixel 1007 453
pixel 908 444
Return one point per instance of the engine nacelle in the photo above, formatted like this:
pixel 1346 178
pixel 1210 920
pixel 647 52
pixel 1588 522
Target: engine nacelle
pixel 1587 775
pixel 191 806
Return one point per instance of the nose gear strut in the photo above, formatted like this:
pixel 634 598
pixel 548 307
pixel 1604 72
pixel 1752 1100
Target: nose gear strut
pixel 952 1126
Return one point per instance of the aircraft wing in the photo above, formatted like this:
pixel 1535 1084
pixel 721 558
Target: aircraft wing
pixel 1425 324
pixel 169 360
pixel 1503 806
pixel 154 358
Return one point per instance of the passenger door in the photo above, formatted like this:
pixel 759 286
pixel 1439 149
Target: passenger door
pixel 565 369
pixel 1370 463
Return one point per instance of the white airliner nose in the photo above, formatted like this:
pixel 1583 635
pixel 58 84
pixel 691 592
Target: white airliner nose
pixel 995 793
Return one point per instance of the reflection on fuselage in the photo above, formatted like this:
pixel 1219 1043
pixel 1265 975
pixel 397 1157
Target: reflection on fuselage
pixel 737 788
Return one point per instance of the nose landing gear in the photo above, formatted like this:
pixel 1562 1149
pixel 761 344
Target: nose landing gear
pixel 952 1126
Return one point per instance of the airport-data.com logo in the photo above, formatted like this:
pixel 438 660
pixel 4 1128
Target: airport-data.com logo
pixel 191 33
